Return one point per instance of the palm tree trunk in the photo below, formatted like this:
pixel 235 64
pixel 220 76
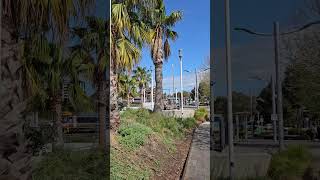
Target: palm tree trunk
pixel 58 128
pixel 141 96
pixel 158 100
pixel 102 110
pixel 128 100
pixel 114 110
pixel 15 158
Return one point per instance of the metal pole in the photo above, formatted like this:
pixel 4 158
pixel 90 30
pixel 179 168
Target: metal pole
pixel 251 114
pixel 279 87
pixel 181 84
pixel 274 111
pixel 196 89
pixel 152 88
pixel 237 126
pixel 229 89
pixel 246 128
pixel 0 40
pixel 176 96
pixel 172 80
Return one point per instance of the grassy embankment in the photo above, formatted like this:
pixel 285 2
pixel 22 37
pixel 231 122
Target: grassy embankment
pixel 144 144
pixel 143 141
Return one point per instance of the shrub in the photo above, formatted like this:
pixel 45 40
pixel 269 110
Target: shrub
pixel 201 114
pixel 133 135
pixel 70 165
pixel 188 123
pixel 290 163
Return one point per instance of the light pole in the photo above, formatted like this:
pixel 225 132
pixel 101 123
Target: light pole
pixel 151 87
pixel 176 95
pixel 276 74
pixel 196 97
pixel 181 83
pixel 196 89
pixel 173 82
pixel 229 89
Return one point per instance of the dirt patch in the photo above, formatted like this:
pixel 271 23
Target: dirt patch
pixel 166 164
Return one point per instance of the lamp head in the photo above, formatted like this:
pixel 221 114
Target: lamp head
pixel 180 53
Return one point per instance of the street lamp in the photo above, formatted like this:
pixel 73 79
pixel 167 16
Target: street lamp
pixel 229 89
pixel 151 87
pixel 276 74
pixel 196 97
pixel 181 84
pixel 173 84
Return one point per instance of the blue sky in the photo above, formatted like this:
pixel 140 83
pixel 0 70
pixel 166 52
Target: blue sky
pixel 250 55
pixel 194 40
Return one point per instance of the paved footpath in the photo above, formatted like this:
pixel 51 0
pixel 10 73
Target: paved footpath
pixel 198 162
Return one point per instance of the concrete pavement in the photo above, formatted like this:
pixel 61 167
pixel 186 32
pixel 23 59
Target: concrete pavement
pixel 198 162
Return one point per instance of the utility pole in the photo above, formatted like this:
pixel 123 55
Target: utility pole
pixel 276 34
pixel 181 83
pixel 229 89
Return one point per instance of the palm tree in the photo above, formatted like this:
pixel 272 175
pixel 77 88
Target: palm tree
pixel 93 50
pixel 128 34
pixel 160 47
pixel 143 77
pixel 46 68
pixel 127 87
pixel 20 19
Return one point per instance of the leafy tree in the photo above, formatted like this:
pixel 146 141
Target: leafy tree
pixel 204 90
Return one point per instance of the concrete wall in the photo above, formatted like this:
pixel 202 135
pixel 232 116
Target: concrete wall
pixel 187 113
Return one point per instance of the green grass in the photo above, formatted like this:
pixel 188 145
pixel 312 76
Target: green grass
pixel 133 135
pixel 290 163
pixel 201 114
pixel 124 169
pixel 68 165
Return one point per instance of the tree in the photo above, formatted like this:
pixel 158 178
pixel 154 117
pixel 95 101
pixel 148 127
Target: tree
pixel 204 90
pixel 45 70
pixel 94 50
pixel 161 23
pixel 142 77
pixel 20 19
pixel 127 87
pixel 128 34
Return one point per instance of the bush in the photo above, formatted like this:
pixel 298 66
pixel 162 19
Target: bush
pixel 68 165
pixel 188 123
pixel 290 163
pixel 201 114
pixel 133 135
